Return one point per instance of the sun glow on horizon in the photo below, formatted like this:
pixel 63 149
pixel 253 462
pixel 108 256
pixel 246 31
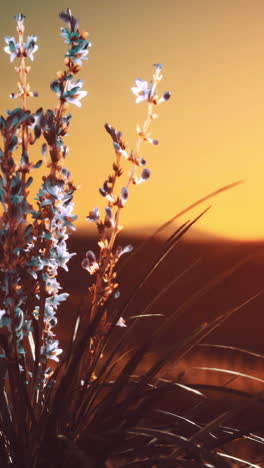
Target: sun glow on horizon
pixel 211 131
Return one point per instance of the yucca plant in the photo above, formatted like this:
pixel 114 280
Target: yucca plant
pixel 95 407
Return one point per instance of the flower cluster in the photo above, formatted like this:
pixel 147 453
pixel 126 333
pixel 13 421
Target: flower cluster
pixel 14 233
pixel 51 222
pixel 146 91
pixel 64 86
pixel 79 45
pixel 51 350
pixel 68 90
pixel 54 216
pixel 21 49
pixel 34 241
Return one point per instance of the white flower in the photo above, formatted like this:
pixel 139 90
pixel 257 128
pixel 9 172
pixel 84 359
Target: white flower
pixel 31 46
pixel 12 48
pixel 66 210
pixel 142 90
pixel 121 322
pixel 123 250
pixel 90 263
pixel 80 56
pixel 94 215
pixel 55 353
pixel 51 350
pixel 75 98
pixel 2 313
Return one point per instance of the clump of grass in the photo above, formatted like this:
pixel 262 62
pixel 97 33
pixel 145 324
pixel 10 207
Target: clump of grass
pixel 93 407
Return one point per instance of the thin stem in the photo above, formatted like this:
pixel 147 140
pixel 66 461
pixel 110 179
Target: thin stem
pixel 23 71
pixel 106 265
pixel 141 137
pixel 115 231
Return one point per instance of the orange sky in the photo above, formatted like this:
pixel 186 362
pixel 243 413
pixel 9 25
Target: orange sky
pixel 210 132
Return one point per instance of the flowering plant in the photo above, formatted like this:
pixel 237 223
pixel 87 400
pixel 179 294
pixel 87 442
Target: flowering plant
pixel 81 408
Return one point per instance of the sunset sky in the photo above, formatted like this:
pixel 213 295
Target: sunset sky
pixel 211 132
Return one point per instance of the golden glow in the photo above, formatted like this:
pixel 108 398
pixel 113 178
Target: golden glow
pixel 210 132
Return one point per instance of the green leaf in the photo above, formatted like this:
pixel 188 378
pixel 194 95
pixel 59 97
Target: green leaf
pixel 38 164
pixel 29 182
pixel 71 92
